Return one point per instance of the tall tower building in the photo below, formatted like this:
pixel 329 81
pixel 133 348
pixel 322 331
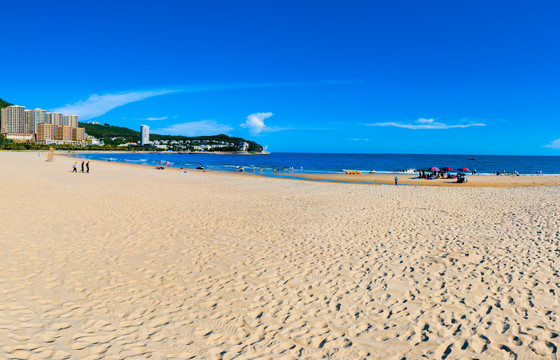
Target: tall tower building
pixel 144 135
pixel 57 119
pixel 39 115
pixel 74 120
pixel 32 119
pixel 29 125
pixel 12 120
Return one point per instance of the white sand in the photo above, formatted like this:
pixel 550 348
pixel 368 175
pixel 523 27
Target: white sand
pixel 130 262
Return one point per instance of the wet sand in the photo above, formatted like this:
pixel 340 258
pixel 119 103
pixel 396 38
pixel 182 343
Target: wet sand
pixel 472 180
pixel 132 262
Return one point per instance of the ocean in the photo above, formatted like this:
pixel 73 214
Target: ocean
pixel 310 163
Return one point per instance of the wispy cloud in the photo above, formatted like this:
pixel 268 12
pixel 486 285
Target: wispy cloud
pixel 155 118
pixel 426 124
pixel 97 105
pixel 358 139
pixel 255 123
pixel 195 128
pixel 554 144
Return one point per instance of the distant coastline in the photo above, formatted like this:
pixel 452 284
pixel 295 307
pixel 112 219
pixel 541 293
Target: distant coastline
pixel 120 151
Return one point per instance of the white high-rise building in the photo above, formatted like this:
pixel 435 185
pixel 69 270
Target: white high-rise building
pixel 12 120
pixel 70 120
pixel 74 120
pixel 39 115
pixel 144 135
pixel 57 119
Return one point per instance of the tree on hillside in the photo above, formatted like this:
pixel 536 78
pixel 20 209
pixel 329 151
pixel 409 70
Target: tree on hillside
pixel 4 103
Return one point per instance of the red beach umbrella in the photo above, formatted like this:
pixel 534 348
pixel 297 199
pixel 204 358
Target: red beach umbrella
pixel 447 168
pixel 434 169
pixel 464 169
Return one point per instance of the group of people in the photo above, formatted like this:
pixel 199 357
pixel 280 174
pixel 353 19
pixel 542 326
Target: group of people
pixel 242 169
pixel 84 164
pixel 514 173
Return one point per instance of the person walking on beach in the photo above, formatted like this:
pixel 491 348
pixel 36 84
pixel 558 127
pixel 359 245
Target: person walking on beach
pixel 87 167
pixel 396 180
pixel 75 168
pixel 83 163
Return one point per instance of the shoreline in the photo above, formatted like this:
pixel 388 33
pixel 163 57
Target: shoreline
pixel 372 179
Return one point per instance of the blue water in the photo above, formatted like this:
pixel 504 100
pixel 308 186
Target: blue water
pixel 338 163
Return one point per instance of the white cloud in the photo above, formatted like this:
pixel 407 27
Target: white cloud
pixel 195 128
pixel 426 124
pixel 554 144
pixel 97 105
pixel 155 118
pixel 358 139
pixel 255 122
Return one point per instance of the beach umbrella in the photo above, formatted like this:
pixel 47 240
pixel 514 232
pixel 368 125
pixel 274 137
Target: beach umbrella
pixel 447 168
pixel 464 169
pixel 434 169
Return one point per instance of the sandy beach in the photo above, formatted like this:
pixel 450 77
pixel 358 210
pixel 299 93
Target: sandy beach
pixel 129 262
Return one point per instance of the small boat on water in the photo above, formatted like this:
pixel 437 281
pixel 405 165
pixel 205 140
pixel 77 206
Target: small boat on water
pixel 471 159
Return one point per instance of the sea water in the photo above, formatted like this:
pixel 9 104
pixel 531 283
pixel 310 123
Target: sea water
pixel 310 163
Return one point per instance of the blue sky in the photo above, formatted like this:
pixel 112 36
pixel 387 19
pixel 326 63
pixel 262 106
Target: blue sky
pixel 473 77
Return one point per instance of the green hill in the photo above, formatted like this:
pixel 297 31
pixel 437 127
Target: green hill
pixel 3 103
pixel 107 131
pixel 113 135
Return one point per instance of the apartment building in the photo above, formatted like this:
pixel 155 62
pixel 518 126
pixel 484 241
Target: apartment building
pixel 78 134
pixel 45 133
pixel 38 116
pixel 12 120
pixel 73 120
pixel 57 119
pixel 63 133
pixel 28 125
pixel 20 124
